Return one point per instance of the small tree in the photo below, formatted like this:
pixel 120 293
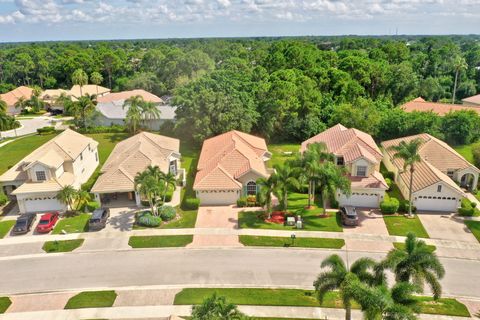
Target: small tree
pixel 332 178
pixel 217 308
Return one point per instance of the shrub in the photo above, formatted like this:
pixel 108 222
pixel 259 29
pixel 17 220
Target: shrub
pixel 389 175
pixel 389 183
pixel 241 202
pixel 145 203
pixel 476 154
pixel 167 212
pixel 92 205
pixel 191 203
pixel 3 198
pixel 467 208
pixel 252 200
pixel 46 130
pixel 389 205
pixel 404 205
pixel 146 219
pixel 334 203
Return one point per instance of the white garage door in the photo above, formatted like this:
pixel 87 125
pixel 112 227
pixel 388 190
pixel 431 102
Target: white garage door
pixel 42 205
pixel 218 198
pixel 366 200
pixel 436 204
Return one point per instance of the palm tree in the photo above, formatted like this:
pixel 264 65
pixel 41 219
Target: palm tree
pixel 339 277
pixel 266 189
pixel 150 111
pixel 82 197
pixel 285 179
pixel 416 263
pixel 459 64
pixel 84 106
pixel 332 178
pixel 21 103
pixel 66 102
pixel 134 112
pixel 408 152
pixel 80 78
pixel 148 186
pixel 216 308
pixel 169 180
pixel 96 78
pixel 67 196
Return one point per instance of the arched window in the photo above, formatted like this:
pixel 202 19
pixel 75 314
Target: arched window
pixel 251 188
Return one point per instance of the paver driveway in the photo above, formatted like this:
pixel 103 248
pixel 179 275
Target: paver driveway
pixel 370 222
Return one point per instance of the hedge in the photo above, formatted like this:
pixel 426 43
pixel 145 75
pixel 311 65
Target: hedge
pixel 104 129
pixel 242 202
pixel 46 130
pixel 467 208
pixel 191 204
pixel 389 205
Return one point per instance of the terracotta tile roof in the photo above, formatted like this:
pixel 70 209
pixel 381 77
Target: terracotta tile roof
pixel 89 89
pixel 12 97
pixel 437 158
pixel 228 156
pixel 124 95
pixel 473 99
pixel 441 109
pixel 375 180
pixel 352 144
pixel 132 156
pixel 66 146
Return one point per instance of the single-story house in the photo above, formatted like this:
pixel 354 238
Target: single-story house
pixel 69 159
pixel 88 89
pixel 438 178
pixel 473 101
pixel 358 152
pixel 50 97
pixel 229 166
pixel 110 109
pixel 419 104
pixel 130 157
pixel 13 96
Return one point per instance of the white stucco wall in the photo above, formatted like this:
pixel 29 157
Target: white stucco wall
pixel 84 168
pixel 432 200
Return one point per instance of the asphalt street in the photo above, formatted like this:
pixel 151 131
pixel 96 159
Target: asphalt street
pixel 229 267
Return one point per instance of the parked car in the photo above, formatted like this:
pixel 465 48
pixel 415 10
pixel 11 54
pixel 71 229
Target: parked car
pixel 24 223
pixel 98 220
pixel 54 112
pixel 349 216
pixel 47 222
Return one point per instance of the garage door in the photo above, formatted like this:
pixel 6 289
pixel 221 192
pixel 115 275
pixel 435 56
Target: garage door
pixel 218 198
pixel 42 205
pixel 366 200
pixel 436 204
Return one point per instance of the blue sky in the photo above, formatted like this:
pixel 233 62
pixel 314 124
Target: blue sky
pixel 26 20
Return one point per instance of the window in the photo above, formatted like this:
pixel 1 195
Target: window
pixel 439 188
pixel 251 188
pixel 96 156
pixel 450 173
pixel 340 161
pixel 173 167
pixel 41 176
pixel 361 171
pixel 81 156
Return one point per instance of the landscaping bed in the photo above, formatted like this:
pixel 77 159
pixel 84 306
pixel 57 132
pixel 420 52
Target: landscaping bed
pixel 74 224
pixel 92 299
pixel 399 225
pixel 159 241
pixel 62 245
pixel 304 298
pixel 5 227
pixel 262 241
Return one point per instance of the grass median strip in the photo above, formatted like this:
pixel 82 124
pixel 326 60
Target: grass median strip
pixel 5 227
pixel 399 225
pixel 92 299
pixel 262 241
pixel 401 246
pixel 159 241
pixel 5 302
pixel 75 224
pixel 304 298
pixel 474 226
pixel 62 245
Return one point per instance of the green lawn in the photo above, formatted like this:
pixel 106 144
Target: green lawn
pixel 296 206
pixel 5 227
pixel 466 151
pixel 5 302
pixel 18 149
pixel 92 299
pixel 278 149
pixel 401 246
pixel 189 163
pixel 62 245
pixel 185 219
pixel 474 226
pixel 261 241
pixel 76 224
pixel 399 225
pixel 159 241
pixel 303 298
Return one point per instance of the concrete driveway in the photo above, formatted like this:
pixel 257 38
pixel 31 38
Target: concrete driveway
pixel 445 227
pixel 121 219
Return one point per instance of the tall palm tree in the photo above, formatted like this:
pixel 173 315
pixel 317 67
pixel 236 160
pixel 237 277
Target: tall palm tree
pixel 266 189
pixel 80 78
pixel 408 152
pixel 416 263
pixel 150 111
pixel 96 78
pixel 66 102
pixel 67 196
pixel 332 178
pixel 340 277
pixel 134 112
pixel 169 180
pixel 216 308
pixel 285 179
pixel 84 106
pixel 459 64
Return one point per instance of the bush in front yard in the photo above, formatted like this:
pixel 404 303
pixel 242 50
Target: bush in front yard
pixel 191 204
pixel 467 208
pixel 404 205
pixel 90 206
pixel 146 219
pixel 389 183
pixel 167 213
pixel 389 205
pixel 242 202
pixel 46 130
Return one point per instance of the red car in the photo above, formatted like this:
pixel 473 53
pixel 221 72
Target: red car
pixel 47 222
